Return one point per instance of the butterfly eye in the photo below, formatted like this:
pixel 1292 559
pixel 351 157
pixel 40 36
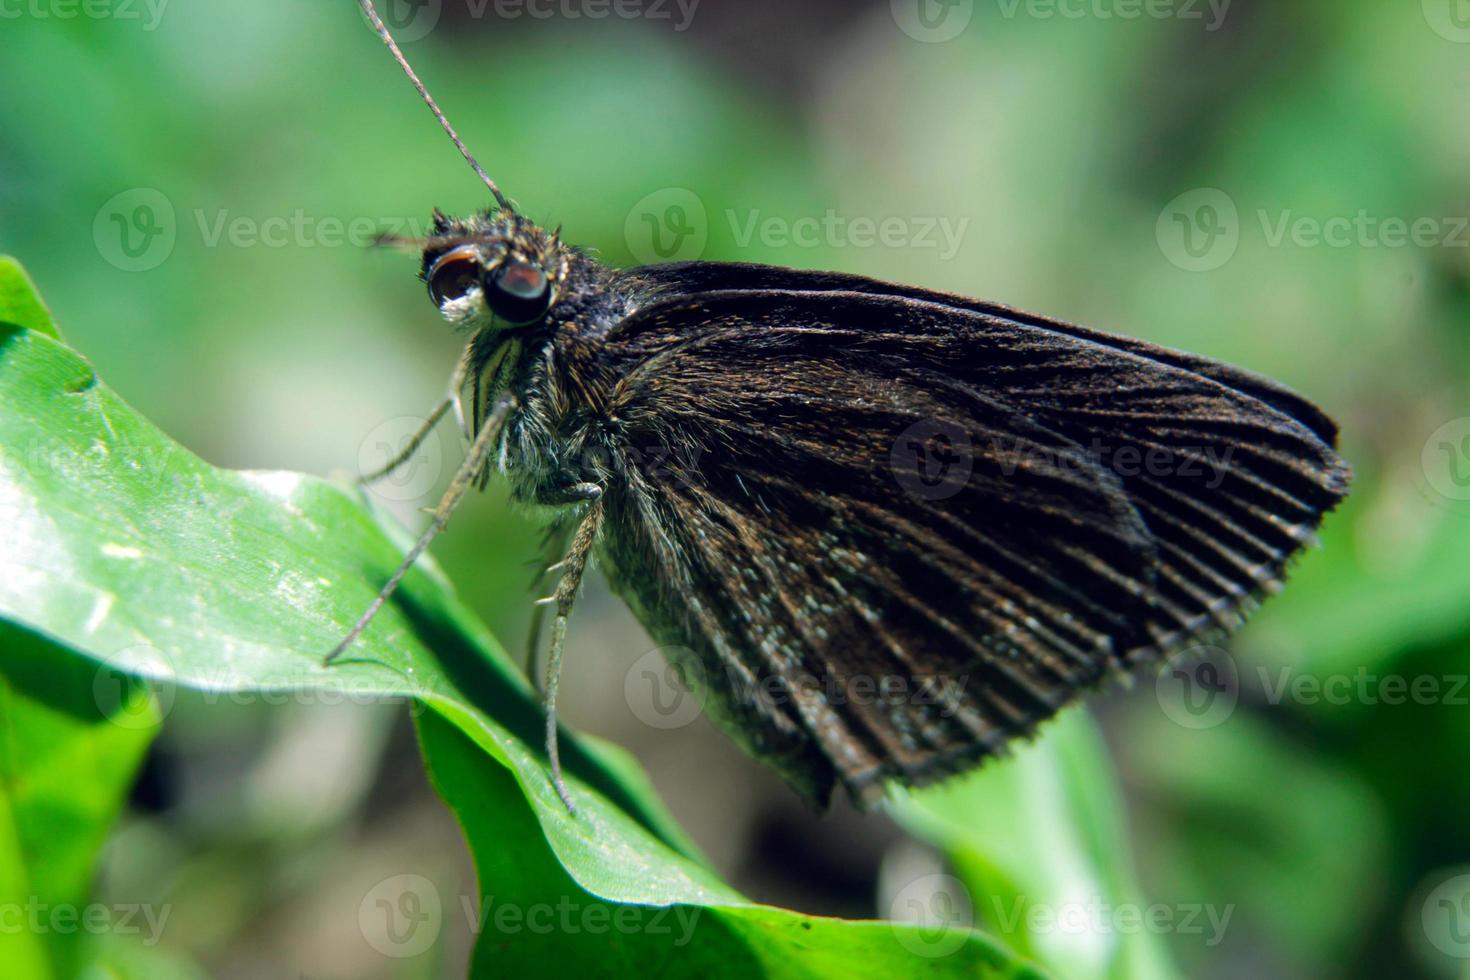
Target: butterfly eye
pixel 518 292
pixel 454 274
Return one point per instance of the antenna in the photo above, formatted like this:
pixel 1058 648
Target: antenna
pixel 372 15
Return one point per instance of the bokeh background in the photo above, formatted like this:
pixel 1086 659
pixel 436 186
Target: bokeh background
pixel 1280 185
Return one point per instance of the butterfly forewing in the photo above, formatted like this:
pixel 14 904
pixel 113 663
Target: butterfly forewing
pixel 898 529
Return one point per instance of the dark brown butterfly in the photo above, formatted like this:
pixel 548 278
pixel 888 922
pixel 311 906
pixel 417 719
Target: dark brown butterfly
pixel 892 529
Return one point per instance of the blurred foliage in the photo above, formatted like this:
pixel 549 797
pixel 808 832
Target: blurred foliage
pixel 65 768
pixel 1043 833
pixel 1059 141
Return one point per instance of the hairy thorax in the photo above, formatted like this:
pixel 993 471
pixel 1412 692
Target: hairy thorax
pixel 559 440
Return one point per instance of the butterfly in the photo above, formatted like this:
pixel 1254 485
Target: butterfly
pixel 886 530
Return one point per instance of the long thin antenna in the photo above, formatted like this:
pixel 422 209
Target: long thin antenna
pixel 372 15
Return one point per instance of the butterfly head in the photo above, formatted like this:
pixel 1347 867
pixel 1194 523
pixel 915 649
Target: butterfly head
pixel 494 270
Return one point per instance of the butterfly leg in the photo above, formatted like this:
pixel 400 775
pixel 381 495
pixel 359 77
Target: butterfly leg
pixel 469 471
pixel 414 443
pixel 558 537
pixel 450 400
pixel 572 568
pixel 456 391
pixel 556 544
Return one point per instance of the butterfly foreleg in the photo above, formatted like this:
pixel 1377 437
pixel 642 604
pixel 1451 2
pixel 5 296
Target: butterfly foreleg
pixel 468 473
pixel 451 400
pixel 411 447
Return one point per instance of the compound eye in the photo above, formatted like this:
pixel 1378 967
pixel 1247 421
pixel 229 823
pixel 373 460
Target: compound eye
pixel 454 274
pixel 518 293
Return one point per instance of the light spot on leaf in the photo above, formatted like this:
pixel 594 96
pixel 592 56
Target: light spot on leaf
pixel 100 609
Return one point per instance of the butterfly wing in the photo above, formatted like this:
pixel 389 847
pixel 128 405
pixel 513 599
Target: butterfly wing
pixel 892 529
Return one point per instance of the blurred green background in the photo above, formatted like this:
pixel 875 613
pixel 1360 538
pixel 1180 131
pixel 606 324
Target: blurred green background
pixel 1279 185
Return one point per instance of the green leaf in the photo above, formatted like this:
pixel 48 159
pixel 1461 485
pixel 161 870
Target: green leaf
pixel 525 892
pixel 20 304
pixel 71 738
pixel 127 548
